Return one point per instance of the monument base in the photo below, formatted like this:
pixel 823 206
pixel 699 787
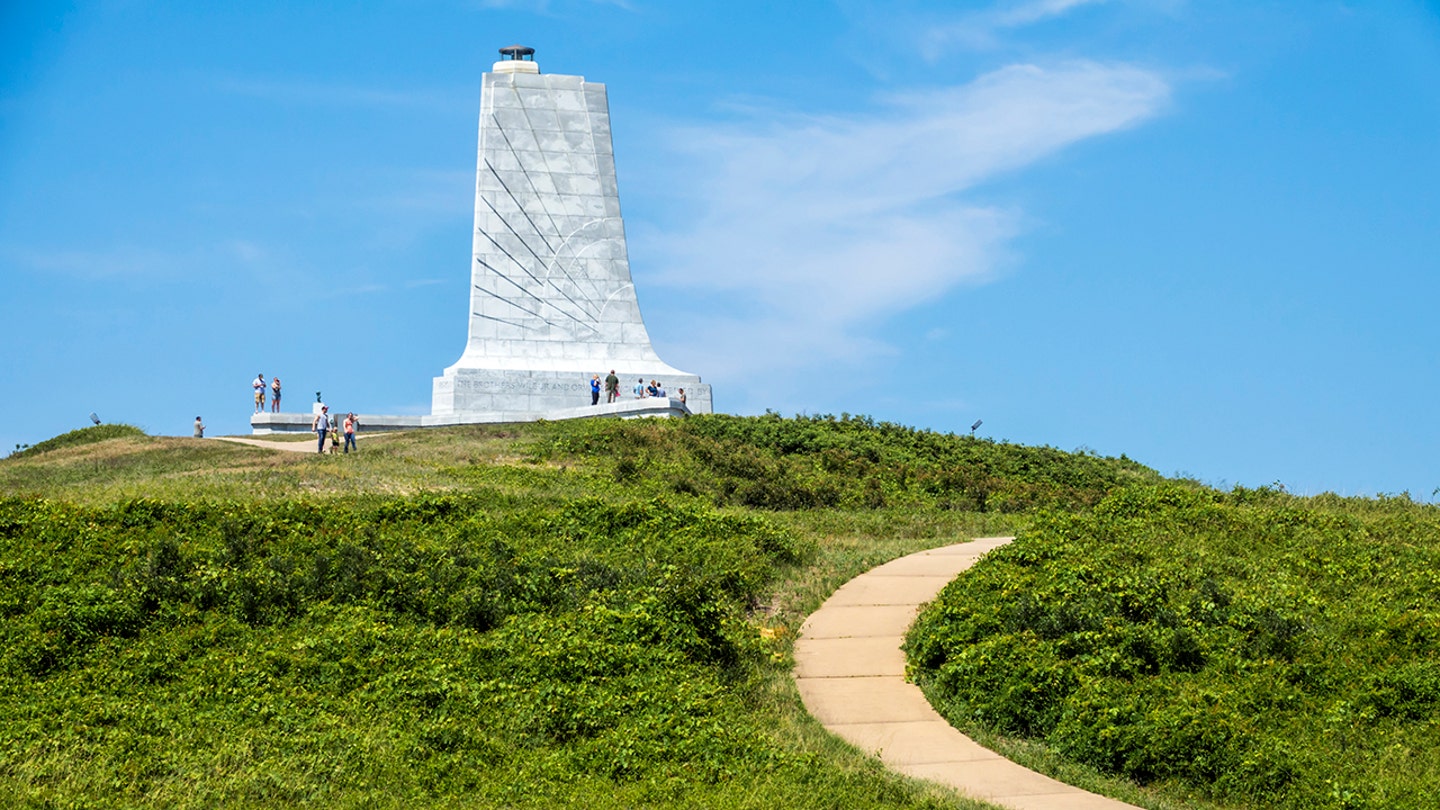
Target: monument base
pixel 462 391
pixel 262 424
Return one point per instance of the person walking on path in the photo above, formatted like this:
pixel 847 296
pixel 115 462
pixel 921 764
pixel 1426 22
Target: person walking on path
pixel 259 386
pixel 595 389
pixel 350 424
pixel 612 387
pixel 321 425
pixel 199 428
pixel 275 395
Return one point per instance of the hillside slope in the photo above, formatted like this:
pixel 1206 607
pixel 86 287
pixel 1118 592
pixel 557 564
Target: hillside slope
pixel 592 612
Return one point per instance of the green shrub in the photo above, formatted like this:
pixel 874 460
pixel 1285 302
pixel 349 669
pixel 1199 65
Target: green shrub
pixel 81 436
pixel 1252 648
pixel 818 462
pixel 425 650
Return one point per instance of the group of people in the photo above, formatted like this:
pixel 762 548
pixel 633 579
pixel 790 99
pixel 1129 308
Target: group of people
pixel 325 427
pixel 259 385
pixel 641 390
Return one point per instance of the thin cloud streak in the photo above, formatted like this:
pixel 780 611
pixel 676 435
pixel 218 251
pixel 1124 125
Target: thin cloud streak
pixel 543 7
pixel 1035 11
pixel 982 30
pixel 123 262
pixel 824 227
pixel 322 94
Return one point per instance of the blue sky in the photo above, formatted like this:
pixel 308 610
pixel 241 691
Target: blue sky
pixel 1204 235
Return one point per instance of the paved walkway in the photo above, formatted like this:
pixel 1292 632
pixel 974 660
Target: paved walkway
pixel 851 674
pixel 306 445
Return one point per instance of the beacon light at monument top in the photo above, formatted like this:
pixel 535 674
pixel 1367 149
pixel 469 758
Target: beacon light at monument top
pixel 551 298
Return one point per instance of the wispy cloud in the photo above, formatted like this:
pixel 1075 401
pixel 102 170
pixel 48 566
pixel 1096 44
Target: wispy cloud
pixel 545 7
pixel 247 251
pixel 985 28
pixel 305 92
pixel 809 232
pixel 427 192
pixel 120 262
pixel 1033 11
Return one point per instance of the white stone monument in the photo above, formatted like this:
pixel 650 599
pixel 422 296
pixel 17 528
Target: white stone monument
pixel 551 299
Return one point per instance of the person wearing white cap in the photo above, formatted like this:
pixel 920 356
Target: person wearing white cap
pixel 321 425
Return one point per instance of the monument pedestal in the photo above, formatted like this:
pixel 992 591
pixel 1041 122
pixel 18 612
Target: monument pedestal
pixel 629 408
pixel 472 390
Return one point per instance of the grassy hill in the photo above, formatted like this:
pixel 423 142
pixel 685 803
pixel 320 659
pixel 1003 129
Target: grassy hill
pixel 601 613
pixel 594 613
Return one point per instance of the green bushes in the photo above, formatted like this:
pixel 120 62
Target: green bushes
pixel 430 559
pixel 1256 650
pixel 556 615
pixel 559 615
pixel 422 650
pixel 819 462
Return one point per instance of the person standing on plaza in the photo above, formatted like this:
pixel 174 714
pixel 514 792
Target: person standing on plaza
pixel 595 389
pixel 275 395
pixel 350 425
pixel 612 387
pixel 259 386
pixel 640 388
pixel 321 425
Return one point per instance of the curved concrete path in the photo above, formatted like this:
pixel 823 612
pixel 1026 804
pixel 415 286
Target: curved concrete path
pixel 289 447
pixel 851 674
pixel 306 445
